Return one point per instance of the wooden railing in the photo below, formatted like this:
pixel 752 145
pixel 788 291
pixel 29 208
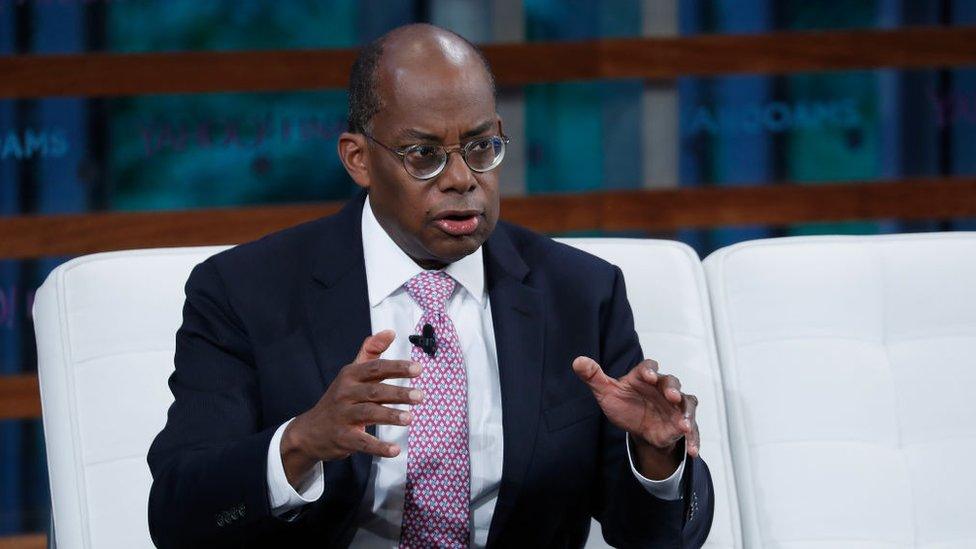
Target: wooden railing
pixel 640 210
pixel 92 75
pixel 29 541
pixel 19 397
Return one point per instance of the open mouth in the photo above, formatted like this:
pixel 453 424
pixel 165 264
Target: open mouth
pixel 458 223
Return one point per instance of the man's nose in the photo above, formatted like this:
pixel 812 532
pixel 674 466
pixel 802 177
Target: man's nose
pixel 457 176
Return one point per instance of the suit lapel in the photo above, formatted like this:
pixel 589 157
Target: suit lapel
pixel 337 305
pixel 519 324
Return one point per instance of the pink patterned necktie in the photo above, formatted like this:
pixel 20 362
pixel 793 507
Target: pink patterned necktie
pixel 436 503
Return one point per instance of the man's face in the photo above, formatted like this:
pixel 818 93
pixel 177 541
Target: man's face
pixel 440 220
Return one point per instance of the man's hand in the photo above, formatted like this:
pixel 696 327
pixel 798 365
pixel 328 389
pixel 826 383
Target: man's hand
pixel 651 407
pixel 336 426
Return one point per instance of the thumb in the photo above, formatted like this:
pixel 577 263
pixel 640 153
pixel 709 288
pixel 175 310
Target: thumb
pixel 374 345
pixel 590 372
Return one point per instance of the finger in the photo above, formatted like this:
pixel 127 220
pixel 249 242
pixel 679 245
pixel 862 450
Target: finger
pixel 644 379
pixel 694 443
pixel 361 441
pixel 670 386
pixel 367 413
pixel 590 372
pixel 382 393
pixel 646 371
pixel 380 369
pixel 690 424
pixel 374 345
pixel 689 405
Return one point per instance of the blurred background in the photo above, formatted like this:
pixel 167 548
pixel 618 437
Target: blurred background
pixel 586 136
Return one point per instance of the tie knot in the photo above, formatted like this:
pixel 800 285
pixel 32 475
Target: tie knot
pixel 430 289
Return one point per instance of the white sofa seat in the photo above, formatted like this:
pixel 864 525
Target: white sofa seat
pixel 106 327
pixel 106 332
pixel 849 366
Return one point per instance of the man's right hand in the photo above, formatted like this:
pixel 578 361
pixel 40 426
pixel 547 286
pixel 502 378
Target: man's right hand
pixel 336 426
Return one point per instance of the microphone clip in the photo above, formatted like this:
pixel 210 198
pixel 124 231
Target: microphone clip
pixel 426 340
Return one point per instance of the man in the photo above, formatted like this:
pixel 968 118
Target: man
pixel 518 407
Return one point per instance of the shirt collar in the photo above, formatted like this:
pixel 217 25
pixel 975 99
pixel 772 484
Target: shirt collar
pixel 388 268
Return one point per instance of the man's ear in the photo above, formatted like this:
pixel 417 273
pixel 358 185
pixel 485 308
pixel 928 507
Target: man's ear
pixel 352 153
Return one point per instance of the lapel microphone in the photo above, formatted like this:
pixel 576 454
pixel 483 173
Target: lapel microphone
pixel 426 340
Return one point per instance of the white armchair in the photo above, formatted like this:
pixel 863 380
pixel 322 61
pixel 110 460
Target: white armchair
pixel 106 331
pixel 849 366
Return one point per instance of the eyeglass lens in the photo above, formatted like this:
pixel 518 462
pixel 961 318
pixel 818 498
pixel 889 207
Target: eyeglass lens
pixel 481 155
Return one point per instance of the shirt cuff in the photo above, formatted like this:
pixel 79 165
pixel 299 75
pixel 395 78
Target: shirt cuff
pixel 667 489
pixel 283 496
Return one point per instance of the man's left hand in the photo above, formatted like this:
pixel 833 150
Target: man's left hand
pixel 651 407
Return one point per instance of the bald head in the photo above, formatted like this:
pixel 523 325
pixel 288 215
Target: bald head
pixel 416 52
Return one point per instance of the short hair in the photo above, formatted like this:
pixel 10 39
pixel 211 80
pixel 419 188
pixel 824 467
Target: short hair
pixel 364 101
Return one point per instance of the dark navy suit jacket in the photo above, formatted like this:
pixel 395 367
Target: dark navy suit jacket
pixel 267 326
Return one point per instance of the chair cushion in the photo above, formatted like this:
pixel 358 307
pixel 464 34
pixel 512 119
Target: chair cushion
pixel 106 327
pixel 849 366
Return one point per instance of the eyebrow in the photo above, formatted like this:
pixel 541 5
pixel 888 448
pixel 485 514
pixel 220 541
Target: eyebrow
pixel 480 128
pixel 424 136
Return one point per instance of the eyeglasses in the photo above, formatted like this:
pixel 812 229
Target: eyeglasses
pixel 424 161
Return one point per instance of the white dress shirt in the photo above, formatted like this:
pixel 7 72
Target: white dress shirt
pixel 387 269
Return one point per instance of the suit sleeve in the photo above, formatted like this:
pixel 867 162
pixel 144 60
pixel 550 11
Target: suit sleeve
pixel 628 514
pixel 209 461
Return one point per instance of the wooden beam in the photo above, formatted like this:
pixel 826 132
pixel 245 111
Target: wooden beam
pixel 77 234
pixel 25 541
pixel 671 209
pixel 19 397
pixel 792 52
pixel 717 54
pixel 640 210
pixel 101 74
pixel 94 75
